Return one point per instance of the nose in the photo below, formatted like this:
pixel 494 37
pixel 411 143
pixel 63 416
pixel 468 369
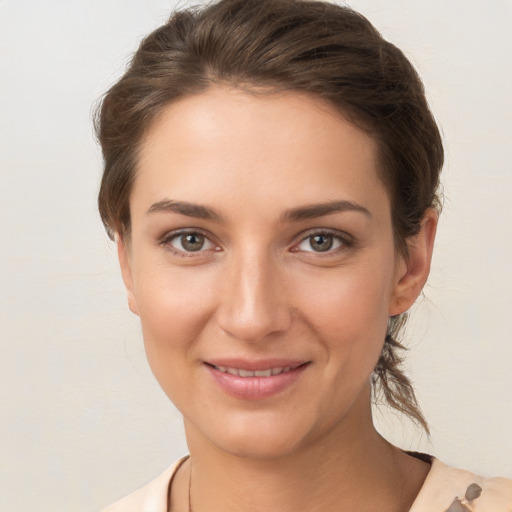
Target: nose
pixel 254 305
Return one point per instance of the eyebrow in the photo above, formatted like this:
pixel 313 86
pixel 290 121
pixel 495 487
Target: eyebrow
pixel 184 208
pixel 295 214
pixel 318 210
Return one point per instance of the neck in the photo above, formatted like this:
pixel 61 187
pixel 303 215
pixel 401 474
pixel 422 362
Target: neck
pixel 350 468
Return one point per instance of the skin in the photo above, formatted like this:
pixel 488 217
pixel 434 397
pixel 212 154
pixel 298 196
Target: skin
pixel 259 289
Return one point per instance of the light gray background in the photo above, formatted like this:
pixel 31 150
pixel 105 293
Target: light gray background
pixel 83 421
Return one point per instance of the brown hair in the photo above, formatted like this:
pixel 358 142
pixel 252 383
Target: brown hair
pixel 322 49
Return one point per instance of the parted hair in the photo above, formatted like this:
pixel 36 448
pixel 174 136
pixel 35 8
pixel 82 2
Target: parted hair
pixel 264 46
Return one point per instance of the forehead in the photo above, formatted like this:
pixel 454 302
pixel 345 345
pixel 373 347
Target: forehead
pixel 266 147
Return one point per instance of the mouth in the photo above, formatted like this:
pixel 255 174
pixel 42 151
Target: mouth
pixel 256 380
pixel 269 372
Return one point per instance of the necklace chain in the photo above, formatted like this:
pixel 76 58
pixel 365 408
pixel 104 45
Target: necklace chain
pixel 190 489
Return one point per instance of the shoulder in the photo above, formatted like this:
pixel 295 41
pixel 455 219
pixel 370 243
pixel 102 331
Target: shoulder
pixel 448 489
pixel 150 498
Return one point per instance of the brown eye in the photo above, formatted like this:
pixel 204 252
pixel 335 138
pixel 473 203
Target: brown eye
pixel 321 243
pixel 190 242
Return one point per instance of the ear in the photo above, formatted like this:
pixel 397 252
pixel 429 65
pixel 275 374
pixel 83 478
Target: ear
pixel 123 253
pixel 413 270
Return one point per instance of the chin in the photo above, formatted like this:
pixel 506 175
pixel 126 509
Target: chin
pixel 256 435
pixel 259 446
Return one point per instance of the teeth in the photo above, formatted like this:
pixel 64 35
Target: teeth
pixel 263 373
pixel 257 373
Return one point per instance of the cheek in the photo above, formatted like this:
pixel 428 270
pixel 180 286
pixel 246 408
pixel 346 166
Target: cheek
pixel 173 309
pixel 350 315
pixel 350 302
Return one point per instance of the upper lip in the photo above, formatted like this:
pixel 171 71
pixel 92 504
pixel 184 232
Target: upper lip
pixel 255 365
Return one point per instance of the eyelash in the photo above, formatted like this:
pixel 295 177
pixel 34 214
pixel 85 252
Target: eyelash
pixel 169 237
pixel 345 242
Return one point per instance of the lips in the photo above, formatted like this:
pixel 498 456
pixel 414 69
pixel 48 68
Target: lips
pixel 255 380
pixel 256 373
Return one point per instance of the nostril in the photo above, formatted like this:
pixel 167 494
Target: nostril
pixel 252 303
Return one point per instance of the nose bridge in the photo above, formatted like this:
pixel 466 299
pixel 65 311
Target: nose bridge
pixel 254 304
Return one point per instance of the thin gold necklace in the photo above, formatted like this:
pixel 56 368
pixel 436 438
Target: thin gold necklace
pixel 189 489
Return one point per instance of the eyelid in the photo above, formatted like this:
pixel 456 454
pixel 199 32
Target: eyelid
pixel 165 240
pixel 347 241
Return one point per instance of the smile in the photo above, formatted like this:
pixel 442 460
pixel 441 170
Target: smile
pixel 257 373
pixel 256 380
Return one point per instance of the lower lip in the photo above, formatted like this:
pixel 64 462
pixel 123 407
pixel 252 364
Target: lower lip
pixel 255 388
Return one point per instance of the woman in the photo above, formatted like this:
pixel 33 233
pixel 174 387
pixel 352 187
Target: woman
pixel 271 169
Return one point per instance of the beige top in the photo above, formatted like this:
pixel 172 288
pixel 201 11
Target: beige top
pixel 445 489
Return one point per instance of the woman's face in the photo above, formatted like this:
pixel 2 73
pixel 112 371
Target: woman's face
pixel 262 265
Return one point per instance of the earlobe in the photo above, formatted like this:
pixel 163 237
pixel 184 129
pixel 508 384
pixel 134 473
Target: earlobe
pixel 415 268
pixel 123 253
